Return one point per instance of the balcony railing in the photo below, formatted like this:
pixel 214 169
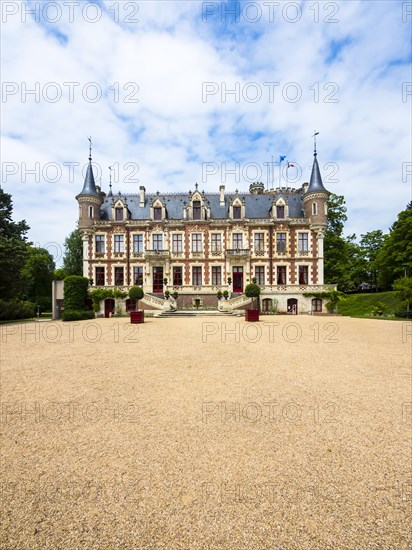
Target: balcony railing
pixel 238 252
pixel 157 254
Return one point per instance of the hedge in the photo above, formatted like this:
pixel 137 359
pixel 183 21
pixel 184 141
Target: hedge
pixel 10 311
pixel 75 292
pixel 76 315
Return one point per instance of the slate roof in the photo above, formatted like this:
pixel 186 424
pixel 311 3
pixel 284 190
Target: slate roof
pixel 256 206
pixel 315 183
pixel 89 187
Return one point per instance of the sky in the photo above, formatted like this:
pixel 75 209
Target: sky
pixel 174 93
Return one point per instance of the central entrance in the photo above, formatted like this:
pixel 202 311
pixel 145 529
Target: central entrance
pixel 238 279
pixel 158 279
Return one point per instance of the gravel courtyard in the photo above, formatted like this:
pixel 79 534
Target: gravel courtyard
pixel 212 433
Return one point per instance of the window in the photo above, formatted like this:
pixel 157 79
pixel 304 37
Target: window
pixel 317 305
pixel 157 213
pixel 90 211
pixel 281 279
pixel 118 276
pixel 302 242
pixel 196 242
pixel 118 243
pixel 314 208
pixel 177 276
pixel 280 211
pixel 138 244
pixel 216 242
pixel 259 242
pixel 260 275
pixel 196 210
pixel 100 244
pixel 303 274
pixel 216 275
pixel 119 214
pixel 138 275
pixel 157 242
pixel 99 276
pixel 237 240
pixel 281 242
pixel 197 276
pixel 237 212
pixel 177 242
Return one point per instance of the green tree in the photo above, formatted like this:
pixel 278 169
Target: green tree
pixel 73 254
pixel 38 275
pixel 394 258
pixel 404 288
pixel 13 249
pixel 371 244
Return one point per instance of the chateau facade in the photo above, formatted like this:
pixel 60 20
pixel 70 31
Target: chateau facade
pixel 198 243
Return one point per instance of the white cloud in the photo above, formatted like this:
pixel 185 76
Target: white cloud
pixel 169 53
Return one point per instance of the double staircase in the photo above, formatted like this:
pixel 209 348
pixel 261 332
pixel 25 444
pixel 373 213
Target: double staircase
pixel 168 308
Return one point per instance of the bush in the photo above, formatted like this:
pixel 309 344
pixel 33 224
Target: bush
pixel 404 314
pixel 119 294
pixel 379 309
pixel 75 292
pixel 99 294
pixel 136 293
pixel 77 315
pixel 10 311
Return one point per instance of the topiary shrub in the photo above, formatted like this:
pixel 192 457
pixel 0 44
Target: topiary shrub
pixel 77 315
pixel 253 291
pixel 136 293
pixel 75 292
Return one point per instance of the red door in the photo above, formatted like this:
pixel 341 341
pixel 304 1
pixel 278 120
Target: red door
pixel 108 307
pixel 158 279
pixel 293 306
pixel 238 279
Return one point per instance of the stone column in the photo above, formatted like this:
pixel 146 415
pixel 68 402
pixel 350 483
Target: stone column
pixel 320 236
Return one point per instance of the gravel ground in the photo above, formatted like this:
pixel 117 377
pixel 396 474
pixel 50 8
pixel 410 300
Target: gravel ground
pixel 291 433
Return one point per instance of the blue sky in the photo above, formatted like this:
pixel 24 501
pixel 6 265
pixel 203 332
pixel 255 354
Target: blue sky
pixel 204 92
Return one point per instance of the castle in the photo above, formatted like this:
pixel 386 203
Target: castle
pixel 197 244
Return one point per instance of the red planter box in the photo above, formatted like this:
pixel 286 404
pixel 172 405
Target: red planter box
pixel 137 316
pixel 251 314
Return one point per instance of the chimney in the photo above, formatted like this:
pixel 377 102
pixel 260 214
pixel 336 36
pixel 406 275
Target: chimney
pixel 142 196
pixel 222 195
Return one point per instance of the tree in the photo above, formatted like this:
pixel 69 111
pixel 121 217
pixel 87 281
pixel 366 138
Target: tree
pixel 38 275
pixel 371 244
pixel 73 254
pixel 395 255
pixel 136 293
pixel 404 288
pixel 13 249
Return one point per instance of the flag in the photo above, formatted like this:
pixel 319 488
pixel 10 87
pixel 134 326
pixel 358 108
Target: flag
pixel 282 158
pixel 290 164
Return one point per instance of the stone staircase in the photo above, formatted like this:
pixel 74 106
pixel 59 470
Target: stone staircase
pixel 196 313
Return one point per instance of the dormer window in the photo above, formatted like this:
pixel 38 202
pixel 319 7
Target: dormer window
pixel 197 210
pixel 237 212
pixel 280 211
pixel 157 213
pixel 119 214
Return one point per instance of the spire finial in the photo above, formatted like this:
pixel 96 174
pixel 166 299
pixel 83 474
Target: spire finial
pixel 90 148
pixel 314 141
pixel 110 182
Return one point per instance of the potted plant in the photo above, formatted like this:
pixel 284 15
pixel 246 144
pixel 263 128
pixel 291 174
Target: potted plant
pixel 165 281
pixel 229 280
pixel 167 294
pixel 219 294
pixel 136 293
pixel 226 294
pixel 175 294
pixel 252 290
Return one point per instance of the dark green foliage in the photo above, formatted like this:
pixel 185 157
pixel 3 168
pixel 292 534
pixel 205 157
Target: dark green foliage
pixel 73 255
pixel 73 315
pixel 252 290
pixel 10 311
pixel 13 249
pixel 99 294
pixel 75 292
pixel 361 305
pixel 38 274
pixel 136 293
pixel 59 275
pixel 404 289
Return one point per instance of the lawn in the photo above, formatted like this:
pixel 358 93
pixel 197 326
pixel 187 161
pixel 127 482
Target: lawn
pixel 360 305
